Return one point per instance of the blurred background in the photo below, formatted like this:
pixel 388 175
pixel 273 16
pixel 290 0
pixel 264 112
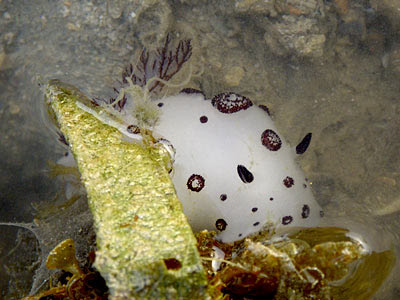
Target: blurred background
pixel 328 67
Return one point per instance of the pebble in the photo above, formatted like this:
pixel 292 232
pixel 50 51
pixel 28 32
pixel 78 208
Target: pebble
pixel 234 76
pixel 7 16
pixel 14 109
pixel 73 27
pixel 2 59
pixel 342 6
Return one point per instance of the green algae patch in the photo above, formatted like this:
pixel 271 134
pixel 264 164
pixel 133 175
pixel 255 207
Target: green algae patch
pixel 145 246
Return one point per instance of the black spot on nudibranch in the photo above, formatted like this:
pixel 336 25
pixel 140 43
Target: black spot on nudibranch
pixel 305 211
pixel 160 104
pixel 303 145
pixel 245 175
pixel 133 129
pixel 271 140
pixel 229 103
pixel 256 224
pixel 288 181
pixel 264 108
pixel 271 198
pixel 195 183
pixel 223 197
pixel 192 91
pixel 286 220
pixel 254 209
pixel 220 224
pixel 203 119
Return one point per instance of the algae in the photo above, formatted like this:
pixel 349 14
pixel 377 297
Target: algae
pixel 146 249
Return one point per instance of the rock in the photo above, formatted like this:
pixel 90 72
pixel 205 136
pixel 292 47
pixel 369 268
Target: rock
pixel 353 25
pixel 378 35
pixel 297 35
pixel 265 7
pixel 342 6
pixel 298 7
pixel 389 8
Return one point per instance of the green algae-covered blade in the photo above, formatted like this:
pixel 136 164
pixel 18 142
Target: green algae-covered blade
pixel 146 248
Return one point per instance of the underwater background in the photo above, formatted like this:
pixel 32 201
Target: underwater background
pixel 327 67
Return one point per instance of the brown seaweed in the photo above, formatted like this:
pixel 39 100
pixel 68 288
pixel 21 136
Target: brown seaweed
pixel 323 265
pixel 78 283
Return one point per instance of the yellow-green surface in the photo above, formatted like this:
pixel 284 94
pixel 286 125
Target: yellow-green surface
pixel 146 249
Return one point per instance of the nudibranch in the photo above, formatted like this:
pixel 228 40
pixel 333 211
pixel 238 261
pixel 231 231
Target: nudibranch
pixel 233 171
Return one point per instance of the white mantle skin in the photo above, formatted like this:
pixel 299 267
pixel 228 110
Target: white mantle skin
pixel 233 171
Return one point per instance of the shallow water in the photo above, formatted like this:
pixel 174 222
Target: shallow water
pixel 345 92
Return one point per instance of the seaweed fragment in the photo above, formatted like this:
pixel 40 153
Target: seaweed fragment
pixel 78 283
pixel 330 265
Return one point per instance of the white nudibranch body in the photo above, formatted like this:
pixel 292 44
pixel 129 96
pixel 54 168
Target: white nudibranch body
pixel 233 172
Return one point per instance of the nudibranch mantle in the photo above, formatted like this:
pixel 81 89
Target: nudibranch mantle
pixel 233 171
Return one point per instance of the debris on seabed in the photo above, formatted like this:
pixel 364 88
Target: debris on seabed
pixel 316 263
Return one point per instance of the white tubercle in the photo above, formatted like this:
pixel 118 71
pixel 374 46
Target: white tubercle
pixel 233 171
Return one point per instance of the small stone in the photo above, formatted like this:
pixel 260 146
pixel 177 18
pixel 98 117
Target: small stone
pixel 7 16
pixel 9 37
pixel 14 109
pixel 234 76
pixel 298 35
pixel 342 6
pixel 72 27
